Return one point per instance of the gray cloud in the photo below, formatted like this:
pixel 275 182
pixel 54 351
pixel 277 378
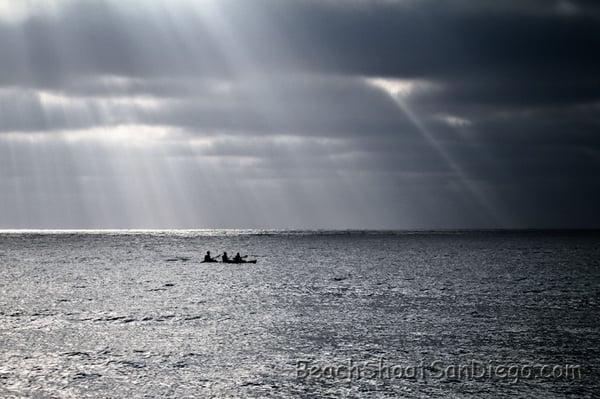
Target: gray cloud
pixel 416 114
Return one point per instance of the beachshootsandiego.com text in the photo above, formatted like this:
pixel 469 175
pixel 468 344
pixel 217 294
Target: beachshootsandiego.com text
pixel 382 369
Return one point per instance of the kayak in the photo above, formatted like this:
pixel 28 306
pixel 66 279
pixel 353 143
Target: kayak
pixel 244 261
pixel 210 261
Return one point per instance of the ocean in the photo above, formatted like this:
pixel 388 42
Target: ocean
pixel 322 314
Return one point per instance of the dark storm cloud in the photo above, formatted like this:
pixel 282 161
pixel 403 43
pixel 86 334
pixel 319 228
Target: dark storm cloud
pixel 404 38
pixel 517 93
pixel 296 105
pixel 288 90
pixel 437 39
pixel 305 106
pixel 511 51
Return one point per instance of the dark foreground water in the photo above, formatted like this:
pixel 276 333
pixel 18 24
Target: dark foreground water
pixel 137 315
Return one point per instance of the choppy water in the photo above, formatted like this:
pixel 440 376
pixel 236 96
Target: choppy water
pixel 136 315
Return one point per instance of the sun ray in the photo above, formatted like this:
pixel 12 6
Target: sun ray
pixel 398 92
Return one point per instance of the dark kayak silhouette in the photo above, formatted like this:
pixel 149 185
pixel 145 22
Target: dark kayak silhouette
pixel 210 259
pixel 226 259
pixel 236 259
pixel 240 261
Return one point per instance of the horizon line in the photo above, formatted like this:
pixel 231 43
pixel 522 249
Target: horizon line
pixel 384 230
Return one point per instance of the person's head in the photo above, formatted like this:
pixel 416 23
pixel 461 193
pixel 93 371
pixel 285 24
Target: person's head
pixel 238 254
pixel 225 253
pixel 208 252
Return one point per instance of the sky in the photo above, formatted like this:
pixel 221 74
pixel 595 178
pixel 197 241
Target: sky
pixel 330 114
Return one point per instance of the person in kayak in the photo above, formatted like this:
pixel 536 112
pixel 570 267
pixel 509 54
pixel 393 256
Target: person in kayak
pixel 225 258
pixel 208 258
pixel 242 259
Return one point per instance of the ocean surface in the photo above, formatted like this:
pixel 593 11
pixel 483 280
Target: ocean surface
pixel 136 315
